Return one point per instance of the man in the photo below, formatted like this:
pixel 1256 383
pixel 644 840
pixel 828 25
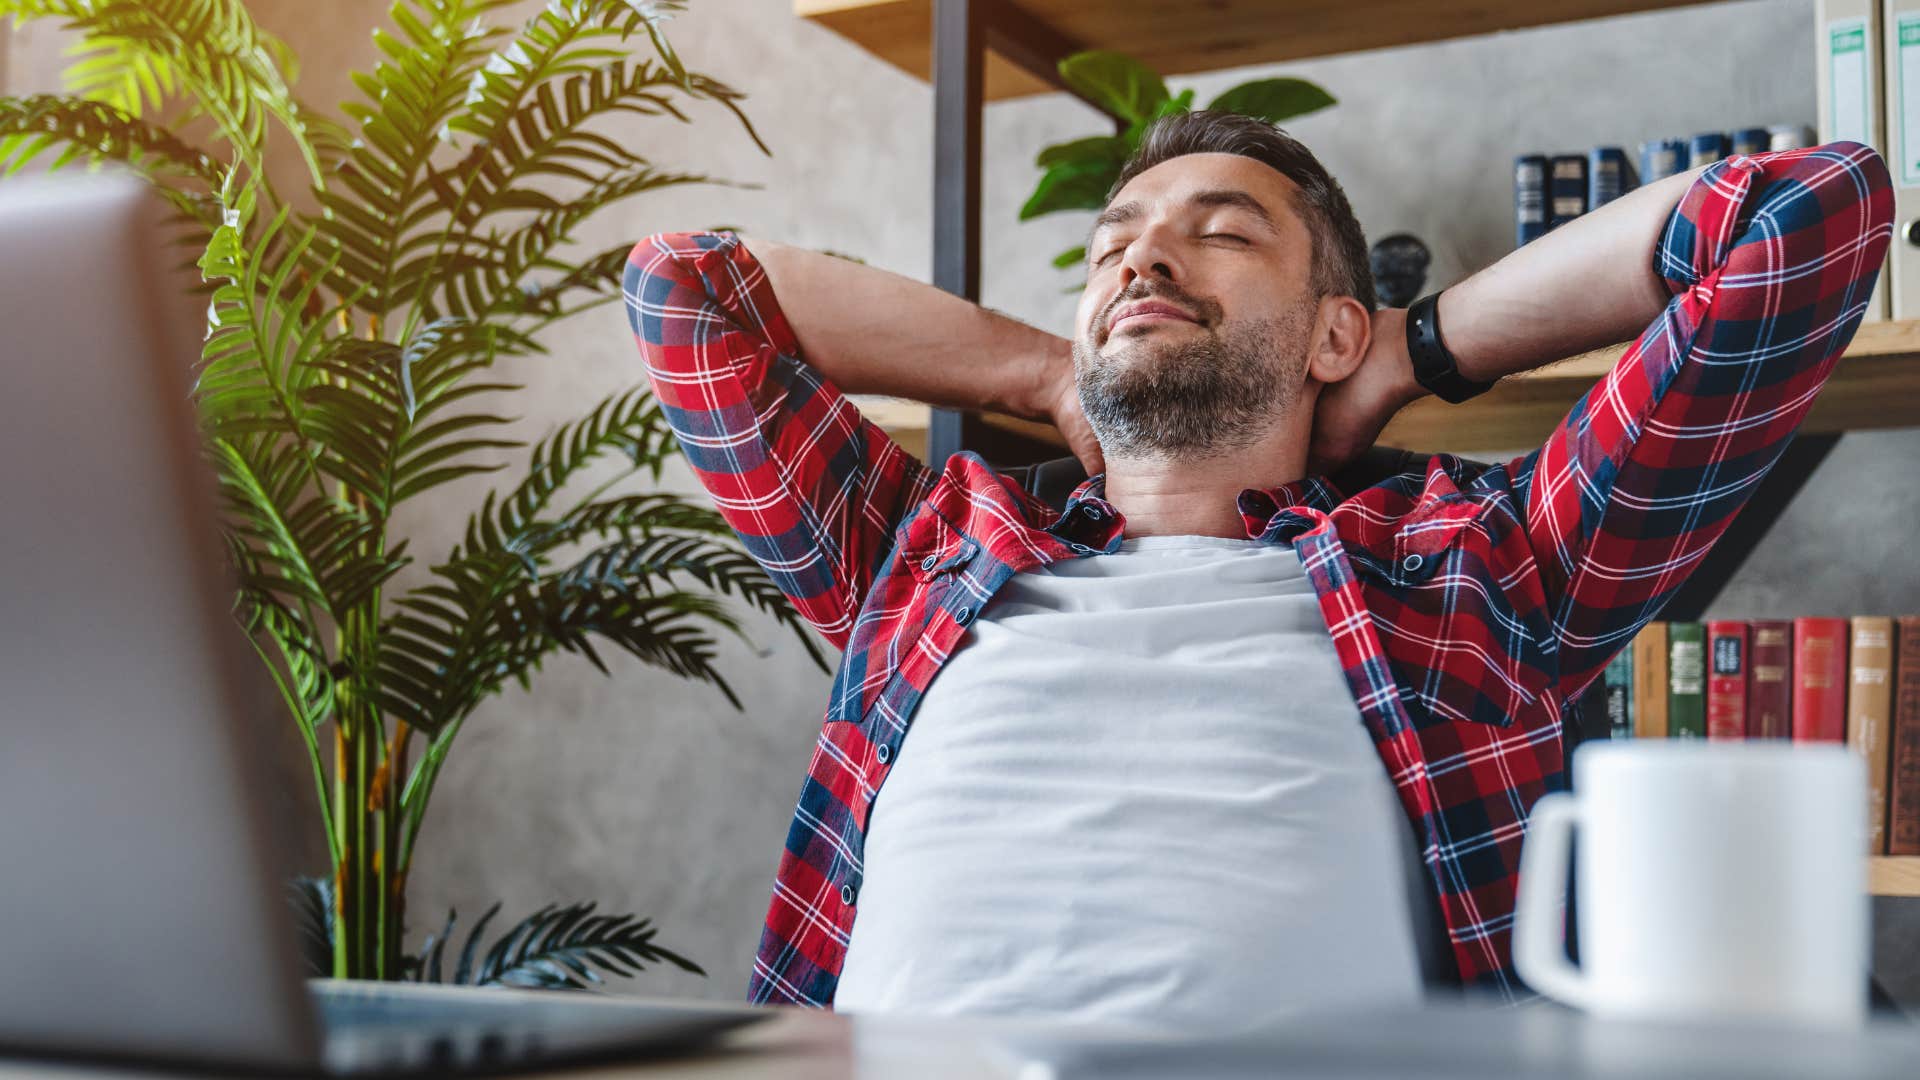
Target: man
pixel 1225 738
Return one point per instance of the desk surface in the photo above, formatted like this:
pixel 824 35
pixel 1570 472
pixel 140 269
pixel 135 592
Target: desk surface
pixel 1444 1040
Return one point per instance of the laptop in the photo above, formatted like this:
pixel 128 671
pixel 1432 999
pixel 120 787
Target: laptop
pixel 144 908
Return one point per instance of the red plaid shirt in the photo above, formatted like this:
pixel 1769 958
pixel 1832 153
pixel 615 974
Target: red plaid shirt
pixel 1469 604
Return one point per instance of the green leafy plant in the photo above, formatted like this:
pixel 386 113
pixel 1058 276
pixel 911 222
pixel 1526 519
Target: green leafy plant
pixel 1078 175
pixel 357 358
pixel 555 948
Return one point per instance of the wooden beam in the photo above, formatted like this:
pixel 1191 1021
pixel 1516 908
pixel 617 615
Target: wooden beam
pixel 1176 37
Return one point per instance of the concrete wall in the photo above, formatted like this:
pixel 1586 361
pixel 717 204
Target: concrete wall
pixel 650 794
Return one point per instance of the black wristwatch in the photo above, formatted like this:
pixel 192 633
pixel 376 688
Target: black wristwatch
pixel 1433 366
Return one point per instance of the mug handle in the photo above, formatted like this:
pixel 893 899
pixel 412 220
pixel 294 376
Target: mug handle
pixel 1539 946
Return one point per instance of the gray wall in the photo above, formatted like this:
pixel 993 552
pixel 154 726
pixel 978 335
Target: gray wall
pixel 650 794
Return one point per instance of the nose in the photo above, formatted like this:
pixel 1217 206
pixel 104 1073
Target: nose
pixel 1144 258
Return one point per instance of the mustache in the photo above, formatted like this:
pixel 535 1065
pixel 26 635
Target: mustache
pixel 1202 310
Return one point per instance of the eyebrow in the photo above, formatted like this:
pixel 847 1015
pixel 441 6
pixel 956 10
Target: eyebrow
pixel 1129 211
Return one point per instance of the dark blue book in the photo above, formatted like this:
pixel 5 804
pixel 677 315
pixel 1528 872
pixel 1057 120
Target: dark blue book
pixel 1566 188
pixel 1618 680
pixel 1529 198
pixel 1662 157
pixel 1706 148
pixel 1749 141
pixel 1609 175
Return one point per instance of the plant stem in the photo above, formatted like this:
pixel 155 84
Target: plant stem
pixel 343 859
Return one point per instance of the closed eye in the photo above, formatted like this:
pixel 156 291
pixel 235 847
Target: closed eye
pixel 1208 236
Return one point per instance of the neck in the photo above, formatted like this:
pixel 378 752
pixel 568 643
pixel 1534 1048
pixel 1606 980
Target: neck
pixel 1199 496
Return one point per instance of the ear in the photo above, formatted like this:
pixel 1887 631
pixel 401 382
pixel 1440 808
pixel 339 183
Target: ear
pixel 1344 336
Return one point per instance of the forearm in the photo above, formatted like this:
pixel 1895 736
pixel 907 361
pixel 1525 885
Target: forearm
pixel 1587 284
pixel 870 331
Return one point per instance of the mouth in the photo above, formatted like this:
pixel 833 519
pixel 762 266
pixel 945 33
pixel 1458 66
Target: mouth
pixel 1148 316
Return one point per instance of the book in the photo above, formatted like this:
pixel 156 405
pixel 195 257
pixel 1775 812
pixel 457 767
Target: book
pixel 1748 141
pixel 1650 681
pixel 1769 680
pixel 1609 175
pixel 1819 679
pixel 1566 188
pixel 1706 148
pixel 1662 157
pixel 1789 136
pixel 1686 680
pixel 1726 679
pixel 1903 769
pixel 1529 198
pixel 1869 710
pixel 1617 677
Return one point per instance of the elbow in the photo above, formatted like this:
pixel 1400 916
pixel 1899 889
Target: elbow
pixel 1814 221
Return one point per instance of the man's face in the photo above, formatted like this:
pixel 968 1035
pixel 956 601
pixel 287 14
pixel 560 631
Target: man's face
pixel 1214 236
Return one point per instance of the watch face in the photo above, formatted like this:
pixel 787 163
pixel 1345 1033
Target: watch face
pixel 1399 265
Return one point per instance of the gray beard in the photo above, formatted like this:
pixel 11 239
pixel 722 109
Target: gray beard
pixel 1204 396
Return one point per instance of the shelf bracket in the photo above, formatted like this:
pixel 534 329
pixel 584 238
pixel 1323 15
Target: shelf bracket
pixel 962 32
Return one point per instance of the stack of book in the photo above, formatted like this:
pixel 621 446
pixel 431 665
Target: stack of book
pixel 1550 190
pixel 1812 679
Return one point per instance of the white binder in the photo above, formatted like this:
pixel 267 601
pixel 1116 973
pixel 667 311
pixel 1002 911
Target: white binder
pixel 1854 101
pixel 1901 37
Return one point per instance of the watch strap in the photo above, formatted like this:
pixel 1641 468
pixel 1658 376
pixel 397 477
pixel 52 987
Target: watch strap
pixel 1434 366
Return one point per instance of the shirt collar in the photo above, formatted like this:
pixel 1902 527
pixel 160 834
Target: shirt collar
pixel 1090 519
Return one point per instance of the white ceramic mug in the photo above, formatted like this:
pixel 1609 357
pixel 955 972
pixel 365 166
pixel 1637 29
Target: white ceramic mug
pixel 1717 880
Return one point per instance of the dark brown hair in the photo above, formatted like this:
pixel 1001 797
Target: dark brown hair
pixel 1339 264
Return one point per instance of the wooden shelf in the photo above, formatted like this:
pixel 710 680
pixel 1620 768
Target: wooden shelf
pixel 1894 875
pixel 1875 385
pixel 1175 37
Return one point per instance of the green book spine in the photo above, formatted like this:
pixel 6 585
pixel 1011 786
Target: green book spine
pixel 1687 680
pixel 1619 681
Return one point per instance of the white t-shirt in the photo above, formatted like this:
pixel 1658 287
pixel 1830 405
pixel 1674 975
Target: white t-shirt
pixel 1140 792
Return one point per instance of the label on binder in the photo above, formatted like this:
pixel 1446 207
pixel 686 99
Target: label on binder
pixel 1848 72
pixel 1909 68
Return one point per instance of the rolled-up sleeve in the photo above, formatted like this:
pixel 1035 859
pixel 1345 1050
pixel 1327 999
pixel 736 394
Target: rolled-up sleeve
pixel 1770 259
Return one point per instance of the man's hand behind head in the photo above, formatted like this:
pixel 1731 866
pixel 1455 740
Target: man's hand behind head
pixel 1350 414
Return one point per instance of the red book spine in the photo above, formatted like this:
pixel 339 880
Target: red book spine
pixel 1820 679
pixel 1726 679
pixel 1769 680
pixel 1903 786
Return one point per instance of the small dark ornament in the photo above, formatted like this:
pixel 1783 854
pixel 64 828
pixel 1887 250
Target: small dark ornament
pixel 1399 268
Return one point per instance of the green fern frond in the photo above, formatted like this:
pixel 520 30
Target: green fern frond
pixel 411 95
pixel 649 560
pixel 96 132
pixel 554 948
pixel 492 279
pixel 137 53
pixel 629 423
pixel 600 274
pixel 261 344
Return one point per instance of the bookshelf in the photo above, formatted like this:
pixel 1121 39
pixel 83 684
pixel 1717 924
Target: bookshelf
pixel 1894 875
pixel 976 51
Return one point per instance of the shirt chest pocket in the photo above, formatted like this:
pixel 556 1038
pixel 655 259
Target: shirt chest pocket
pixel 1424 538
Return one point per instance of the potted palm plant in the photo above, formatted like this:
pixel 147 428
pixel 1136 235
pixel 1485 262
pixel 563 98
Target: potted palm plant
pixel 359 354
